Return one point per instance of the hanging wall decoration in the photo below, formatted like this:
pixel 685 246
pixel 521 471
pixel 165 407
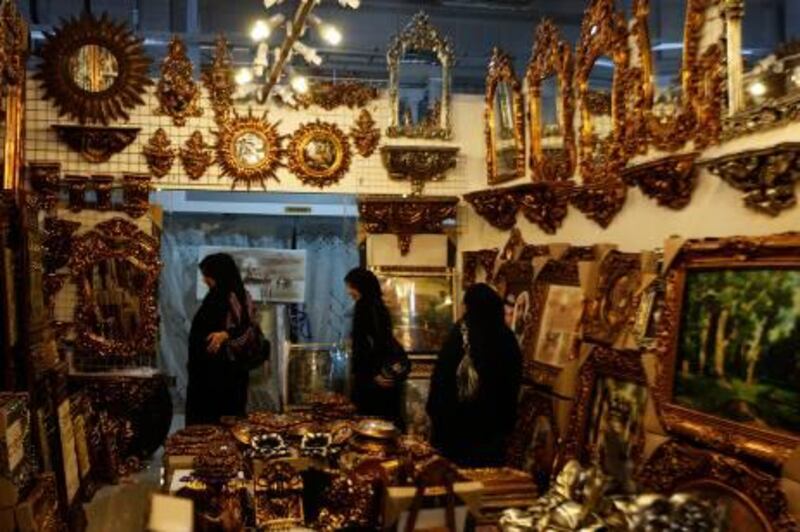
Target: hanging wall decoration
pixel 13 44
pixel 96 144
pixel 319 154
pixel 669 180
pixel 196 156
pixel 94 70
pixel 504 121
pixel 330 95
pixel 44 177
pixel 136 194
pixel 178 94
pixel 219 81
pixel 249 149
pixel 159 153
pixel 419 164
pixel 365 135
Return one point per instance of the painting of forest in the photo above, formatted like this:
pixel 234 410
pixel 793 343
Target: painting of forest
pixel 739 348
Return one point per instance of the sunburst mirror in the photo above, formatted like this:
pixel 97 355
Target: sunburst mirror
pixel 249 149
pixel 319 154
pixel 94 70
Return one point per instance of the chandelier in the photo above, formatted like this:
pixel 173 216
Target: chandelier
pixel 272 64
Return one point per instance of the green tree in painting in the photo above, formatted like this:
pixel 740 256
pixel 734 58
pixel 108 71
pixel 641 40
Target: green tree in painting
pixel 737 325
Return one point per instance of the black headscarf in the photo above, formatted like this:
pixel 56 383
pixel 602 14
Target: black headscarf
pixel 485 319
pixel 370 306
pixel 223 270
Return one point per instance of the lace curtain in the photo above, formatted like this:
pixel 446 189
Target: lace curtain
pixel 331 252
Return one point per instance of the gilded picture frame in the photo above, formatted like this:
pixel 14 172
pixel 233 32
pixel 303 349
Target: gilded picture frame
pixel 534 442
pixel 509 139
pixel 319 154
pixel 552 57
pixel 557 310
pixel 749 270
pixel 609 410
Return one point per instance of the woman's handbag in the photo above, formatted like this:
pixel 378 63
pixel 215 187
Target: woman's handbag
pixel 467 378
pixel 249 350
pixel 398 366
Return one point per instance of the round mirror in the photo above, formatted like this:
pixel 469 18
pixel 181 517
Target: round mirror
pixel 114 286
pixel 320 154
pixel 93 68
pixel 250 148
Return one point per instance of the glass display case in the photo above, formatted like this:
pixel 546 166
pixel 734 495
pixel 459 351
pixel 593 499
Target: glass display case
pixel 313 369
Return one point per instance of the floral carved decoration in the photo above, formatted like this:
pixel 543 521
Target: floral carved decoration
pixel 219 81
pixel 96 144
pixel 405 217
pixel 669 180
pixel 365 135
pixel 249 149
pixel 196 156
pixel 159 153
pixel 766 176
pixel 544 204
pixel 419 164
pixel 330 95
pixel 178 94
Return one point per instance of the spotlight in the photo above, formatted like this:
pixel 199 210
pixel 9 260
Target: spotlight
pixel 299 84
pixel 757 89
pixel 244 76
pixel 330 34
pixel 260 31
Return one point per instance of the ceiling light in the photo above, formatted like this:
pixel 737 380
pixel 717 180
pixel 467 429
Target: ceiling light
pixel 260 31
pixel 331 34
pixel 244 76
pixel 757 88
pixel 353 4
pixel 299 84
pixel 309 54
pixel 269 3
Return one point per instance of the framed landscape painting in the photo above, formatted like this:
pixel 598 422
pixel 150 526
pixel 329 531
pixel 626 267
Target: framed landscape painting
pixel 730 338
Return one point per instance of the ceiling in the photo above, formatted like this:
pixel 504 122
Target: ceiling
pixel 474 26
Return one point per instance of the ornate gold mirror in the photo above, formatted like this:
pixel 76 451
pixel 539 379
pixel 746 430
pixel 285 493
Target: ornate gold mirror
pixel 115 267
pixel 552 106
pixel 420 62
pixel 670 99
pixel 95 70
pixel 319 154
pixel 602 65
pixel 249 149
pixel 505 125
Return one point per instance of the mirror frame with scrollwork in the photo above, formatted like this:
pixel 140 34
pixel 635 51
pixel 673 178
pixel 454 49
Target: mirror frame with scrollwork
pixel 115 239
pixel 689 121
pixel 298 161
pixel 110 104
pixel 552 56
pixel 421 35
pixel 603 32
pixel 501 70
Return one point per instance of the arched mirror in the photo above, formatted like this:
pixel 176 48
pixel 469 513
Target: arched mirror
pixel 602 65
pixel 420 62
pixel 505 125
pixel 669 100
pixel 552 106
pixel 115 268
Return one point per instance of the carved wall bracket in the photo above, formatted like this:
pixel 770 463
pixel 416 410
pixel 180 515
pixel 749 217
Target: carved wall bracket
pixel 766 176
pixel 136 194
pixel 76 186
pixel 542 203
pixel 44 178
pixel 419 164
pixel 601 201
pixel 96 144
pixel 406 217
pixel 159 153
pixel 101 184
pixel 196 156
pixel 365 135
pixel 670 181
pixel 499 207
pixel 178 94
pixel 769 115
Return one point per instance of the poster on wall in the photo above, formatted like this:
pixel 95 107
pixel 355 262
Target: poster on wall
pixel 269 275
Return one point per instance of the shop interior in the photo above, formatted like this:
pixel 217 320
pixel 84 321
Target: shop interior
pixel 621 173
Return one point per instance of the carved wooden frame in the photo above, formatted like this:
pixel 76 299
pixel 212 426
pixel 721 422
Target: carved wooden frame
pixel 471 260
pixel 610 312
pixel 420 34
pixel 675 468
pixel 115 239
pixel 603 31
pixel 115 102
pixel 237 125
pixel 672 133
pixel 557 272
pixel 601 362
pixel 532 405
pixel 779 251
pixel 551 56
pixel 298 162
pixel 501 70
pixel 178 94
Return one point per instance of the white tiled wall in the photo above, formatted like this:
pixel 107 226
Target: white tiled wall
pixel 366 175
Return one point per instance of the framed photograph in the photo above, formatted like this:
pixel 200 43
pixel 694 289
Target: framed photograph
pixel 533 443
pixel 745 498
pixel 422 304
pixel 514 283
pixel 269 275
pixel 729 340
pixel 607 421
pixel 558 306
